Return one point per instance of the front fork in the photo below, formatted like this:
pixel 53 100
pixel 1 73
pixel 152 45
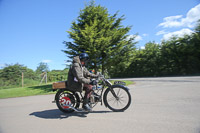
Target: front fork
pixel 113 92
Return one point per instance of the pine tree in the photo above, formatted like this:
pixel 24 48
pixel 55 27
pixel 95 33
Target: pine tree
pixel 102 36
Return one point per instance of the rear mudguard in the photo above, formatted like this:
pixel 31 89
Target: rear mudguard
pixel 113 86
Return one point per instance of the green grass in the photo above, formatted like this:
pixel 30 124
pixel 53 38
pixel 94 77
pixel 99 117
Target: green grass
pixel 127 82
pixel 33 90
pixel 26 91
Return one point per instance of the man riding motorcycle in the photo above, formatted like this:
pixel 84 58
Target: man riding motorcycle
pixel 79 78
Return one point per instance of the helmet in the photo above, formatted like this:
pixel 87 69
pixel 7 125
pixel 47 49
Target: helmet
pixel 84 57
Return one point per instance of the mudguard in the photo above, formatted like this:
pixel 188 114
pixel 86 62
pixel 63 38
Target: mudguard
pixel 113 86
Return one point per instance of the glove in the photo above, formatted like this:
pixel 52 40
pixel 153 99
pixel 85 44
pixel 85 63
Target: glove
pixel 93 82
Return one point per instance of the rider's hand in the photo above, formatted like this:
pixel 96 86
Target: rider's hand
pixel 99 75
pixel 93 82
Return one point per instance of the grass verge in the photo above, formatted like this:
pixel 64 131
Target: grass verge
pixel 127 82
pixel 33 90
pixel 26 91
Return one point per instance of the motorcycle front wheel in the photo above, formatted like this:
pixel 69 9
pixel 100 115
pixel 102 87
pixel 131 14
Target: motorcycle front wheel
pixel 65 100
pixel 117 98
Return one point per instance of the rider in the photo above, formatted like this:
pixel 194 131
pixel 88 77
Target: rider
pixel 79 78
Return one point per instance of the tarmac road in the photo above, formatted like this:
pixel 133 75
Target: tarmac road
pixel 159 105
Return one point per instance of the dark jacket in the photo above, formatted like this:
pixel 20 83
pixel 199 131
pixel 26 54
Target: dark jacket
pixel 78 76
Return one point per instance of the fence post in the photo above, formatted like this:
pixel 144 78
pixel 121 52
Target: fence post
pixel 22 79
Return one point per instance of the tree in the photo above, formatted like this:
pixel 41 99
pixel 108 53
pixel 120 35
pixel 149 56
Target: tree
pixel 12 74
pixel 102 36
pixel 43 67
pixel 152 57
pixel 58 75
pixel 146 62
pixel 180 56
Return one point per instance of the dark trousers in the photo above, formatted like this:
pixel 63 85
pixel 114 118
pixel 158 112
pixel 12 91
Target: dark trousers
pixel 88 91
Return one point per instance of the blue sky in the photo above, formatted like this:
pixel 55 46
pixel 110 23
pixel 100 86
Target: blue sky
pixel 32 31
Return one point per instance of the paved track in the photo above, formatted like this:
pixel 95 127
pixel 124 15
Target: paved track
pixel 159 105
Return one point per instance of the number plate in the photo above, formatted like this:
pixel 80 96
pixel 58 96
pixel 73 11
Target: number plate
pixel 119 83
pixel 65 101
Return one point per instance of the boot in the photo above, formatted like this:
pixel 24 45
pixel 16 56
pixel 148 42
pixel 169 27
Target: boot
pixel 86 106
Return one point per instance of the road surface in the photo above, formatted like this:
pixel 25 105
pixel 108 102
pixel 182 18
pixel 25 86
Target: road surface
pixel 159 105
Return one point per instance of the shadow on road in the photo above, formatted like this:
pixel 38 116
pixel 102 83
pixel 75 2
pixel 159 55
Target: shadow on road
pixel 57 114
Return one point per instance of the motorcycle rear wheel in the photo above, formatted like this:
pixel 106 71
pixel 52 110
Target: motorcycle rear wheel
pixel 64 97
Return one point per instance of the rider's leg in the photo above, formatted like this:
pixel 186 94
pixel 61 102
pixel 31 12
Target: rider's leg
pixel 88 91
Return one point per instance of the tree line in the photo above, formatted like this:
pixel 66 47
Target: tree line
pixel 11 75
pixel 177 56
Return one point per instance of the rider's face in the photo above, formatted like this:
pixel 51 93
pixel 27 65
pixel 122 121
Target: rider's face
pixel 82 63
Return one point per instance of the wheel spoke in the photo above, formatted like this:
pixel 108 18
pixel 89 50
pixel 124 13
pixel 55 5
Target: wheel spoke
pixel 118 92
pixel 111 99
pixel 114 101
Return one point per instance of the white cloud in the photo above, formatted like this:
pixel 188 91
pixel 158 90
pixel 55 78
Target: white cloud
pixel 161 32
pixel 2 65
pixel 171 21
pixel 193 15
pixel 142 47
pixel 179 33
pixel 136 37
pixel 129 37
pixel 46 61
pixel 144 35
pixel 181 22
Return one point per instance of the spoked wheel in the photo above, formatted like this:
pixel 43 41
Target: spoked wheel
pixel 66 100
pixel 117 98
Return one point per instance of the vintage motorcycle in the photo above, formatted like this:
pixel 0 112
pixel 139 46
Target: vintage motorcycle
pixel 116 97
